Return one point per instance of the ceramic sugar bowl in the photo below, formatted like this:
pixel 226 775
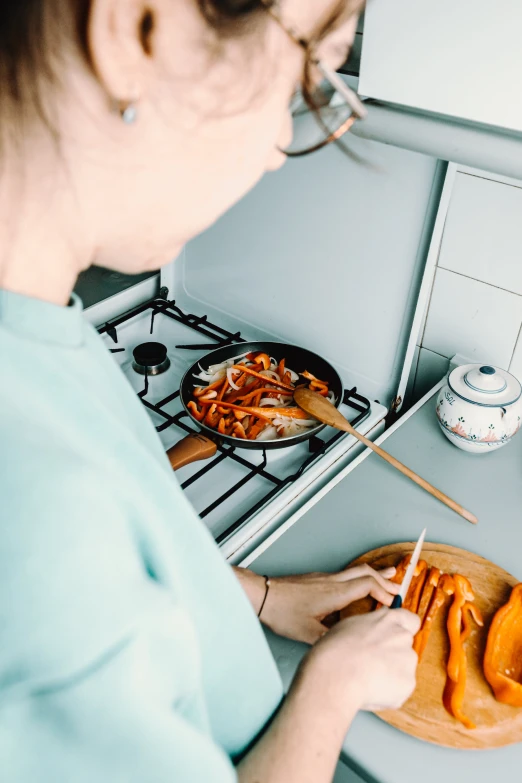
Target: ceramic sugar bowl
pixel 480 408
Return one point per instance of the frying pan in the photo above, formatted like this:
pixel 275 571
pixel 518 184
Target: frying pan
pixel 203 445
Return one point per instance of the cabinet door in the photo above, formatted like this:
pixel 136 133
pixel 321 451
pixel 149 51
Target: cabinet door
pixel 461 59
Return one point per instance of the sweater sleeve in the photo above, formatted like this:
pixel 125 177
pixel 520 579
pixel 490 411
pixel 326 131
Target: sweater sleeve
pixel 122 720
pixel 100 664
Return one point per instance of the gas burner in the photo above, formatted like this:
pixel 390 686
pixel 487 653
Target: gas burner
pixel 150 359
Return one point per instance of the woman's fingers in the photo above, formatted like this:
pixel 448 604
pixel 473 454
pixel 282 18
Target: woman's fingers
pixel 380 593
pixel 409 621
pixel 383 575
pixel 364 586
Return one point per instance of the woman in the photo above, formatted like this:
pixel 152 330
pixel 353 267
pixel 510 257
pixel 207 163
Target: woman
pixel 128 650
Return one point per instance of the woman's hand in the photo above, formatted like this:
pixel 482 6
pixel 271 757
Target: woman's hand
pixel 296 605
pixel 367 660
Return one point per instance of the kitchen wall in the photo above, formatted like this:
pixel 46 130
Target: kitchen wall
pixel 475 305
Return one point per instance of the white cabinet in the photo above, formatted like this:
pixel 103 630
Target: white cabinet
pixel 461 59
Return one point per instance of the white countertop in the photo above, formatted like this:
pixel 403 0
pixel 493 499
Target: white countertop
pixel 374 505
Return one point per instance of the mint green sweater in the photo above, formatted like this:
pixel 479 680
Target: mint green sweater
pixel 128 651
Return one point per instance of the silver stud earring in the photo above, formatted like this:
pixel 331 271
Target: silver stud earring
pixel 129 113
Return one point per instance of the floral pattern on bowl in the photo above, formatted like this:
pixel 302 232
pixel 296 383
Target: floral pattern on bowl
pixel 474 426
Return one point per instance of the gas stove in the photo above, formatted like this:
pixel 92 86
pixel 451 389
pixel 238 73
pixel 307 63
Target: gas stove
pixel 238 493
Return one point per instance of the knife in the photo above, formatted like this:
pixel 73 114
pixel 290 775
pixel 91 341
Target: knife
pixel 406 582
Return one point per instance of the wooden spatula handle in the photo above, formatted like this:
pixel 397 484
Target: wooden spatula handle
pixel 414 477
pixel 191 449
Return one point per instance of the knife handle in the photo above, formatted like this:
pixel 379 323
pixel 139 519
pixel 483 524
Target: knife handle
pixel 396 603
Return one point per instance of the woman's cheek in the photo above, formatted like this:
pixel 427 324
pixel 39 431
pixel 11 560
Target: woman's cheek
pixel 276 160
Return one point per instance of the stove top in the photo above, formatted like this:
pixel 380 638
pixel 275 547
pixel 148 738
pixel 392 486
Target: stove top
pixel 154 344
pixel 150 359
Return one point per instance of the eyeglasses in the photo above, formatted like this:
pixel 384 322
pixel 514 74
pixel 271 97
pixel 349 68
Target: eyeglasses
pixel 325 114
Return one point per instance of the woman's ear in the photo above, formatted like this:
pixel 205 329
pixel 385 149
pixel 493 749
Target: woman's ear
pixel 120 38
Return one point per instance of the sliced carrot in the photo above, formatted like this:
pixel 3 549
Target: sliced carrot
pixel 256 429
pixel 212 417
pixel 193 408
pixel 264 378
pixel 400 573
pixel 261 413
pixel 310 377
pixel 445 587
pixel 430 585
pixel 247 396
pixel 215 404
pixel 223 389
pixel 264 359
pixel 275 413
pixel 459 629
pixel 238 431
pixel 417 583
pixel 470 611
pixel 200 390
pixel 241 393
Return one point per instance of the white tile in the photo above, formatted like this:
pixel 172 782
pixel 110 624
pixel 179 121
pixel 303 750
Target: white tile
pixel 472 318
pixel 430 369
pixel 483 232
pixel 516 362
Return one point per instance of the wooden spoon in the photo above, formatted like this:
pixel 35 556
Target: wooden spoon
pixel 322 409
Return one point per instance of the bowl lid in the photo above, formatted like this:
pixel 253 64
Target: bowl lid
pixel 485 385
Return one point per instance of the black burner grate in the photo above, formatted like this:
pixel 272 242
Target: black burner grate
pixel 220 337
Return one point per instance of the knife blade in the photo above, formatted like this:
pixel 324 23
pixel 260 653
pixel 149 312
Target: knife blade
pixel 406 582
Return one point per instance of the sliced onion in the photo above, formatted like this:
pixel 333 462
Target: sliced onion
pixel 230 373
pixel 270 374
pixel 215 368
pixel 331 396
pixel 269 433
pixel 282 421
pixel 270 402
pixel 235 359
pixel 293 375
pixel 220 369
pixel 210 377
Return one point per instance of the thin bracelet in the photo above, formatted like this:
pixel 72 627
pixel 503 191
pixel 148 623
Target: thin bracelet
pixel 267 586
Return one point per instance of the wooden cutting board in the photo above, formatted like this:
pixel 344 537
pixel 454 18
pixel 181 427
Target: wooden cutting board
pixel 423 715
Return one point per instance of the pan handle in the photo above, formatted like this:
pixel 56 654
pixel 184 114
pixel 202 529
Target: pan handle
pixel 191 449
